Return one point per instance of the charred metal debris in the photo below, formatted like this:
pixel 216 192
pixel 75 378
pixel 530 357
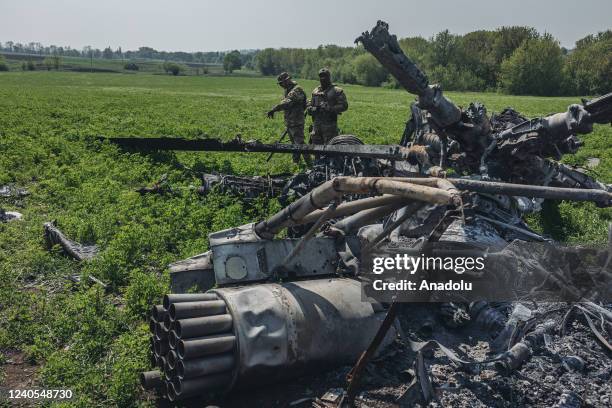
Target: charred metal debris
pixel 270 309
pixel 14 194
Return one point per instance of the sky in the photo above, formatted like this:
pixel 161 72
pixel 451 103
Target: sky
pixel 211 25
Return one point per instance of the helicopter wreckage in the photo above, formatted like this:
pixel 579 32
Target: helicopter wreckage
pixel 460 182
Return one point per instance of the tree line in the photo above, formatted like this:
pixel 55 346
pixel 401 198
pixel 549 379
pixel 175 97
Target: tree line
pixel 516 60
pixel 210 57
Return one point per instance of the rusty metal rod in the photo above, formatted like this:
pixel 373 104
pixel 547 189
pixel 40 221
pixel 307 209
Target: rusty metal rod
pixel 327 213
pixel 318 198
pixel 387 185
pixel 522 190
pixel 365 217
pixel 353 207
pixel 354 376
pixel 410 210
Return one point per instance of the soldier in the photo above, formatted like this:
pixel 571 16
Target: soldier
pixel 328 101
pixel 293 104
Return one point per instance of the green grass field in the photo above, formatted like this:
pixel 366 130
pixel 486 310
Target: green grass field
pixel 82 64
pixel 95 342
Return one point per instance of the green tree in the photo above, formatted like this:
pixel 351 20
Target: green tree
pixel 535 68
pixel 267 62
pixel 417 49
pixel 476 55
pixel 172 68
pixel 232 61
pixel 48 63
pixel 30 66
pixel 444 49
pixel 589 66
pixel 52 62
pixel 508 39
pixel 3 65
pixel 131 66
pixel 107 53
pixel 368 71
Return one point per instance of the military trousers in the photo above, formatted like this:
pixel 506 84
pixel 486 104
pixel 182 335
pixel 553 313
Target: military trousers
pixel 322 133
pixel 296 135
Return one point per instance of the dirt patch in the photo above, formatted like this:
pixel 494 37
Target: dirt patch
pixel 16 373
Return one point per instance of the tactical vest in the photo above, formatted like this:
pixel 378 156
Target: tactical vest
pixel 329 97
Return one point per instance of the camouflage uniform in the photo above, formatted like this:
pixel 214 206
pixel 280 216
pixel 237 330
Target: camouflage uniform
pixel 293 105
pixel 325 106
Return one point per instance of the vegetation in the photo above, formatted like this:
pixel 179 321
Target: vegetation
pixel 232 61
pixel 589 66
pixel 94 341
pixel 52 62
pixel 148 53
pixel 3 65
pixel 517 60
pixel 173 68
pixel 536 66
pixel 131 66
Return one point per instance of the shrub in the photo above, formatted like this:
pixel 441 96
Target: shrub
pixel 131 66
pixel 172 68
pixel 368 71
pixel 454 79
pixel 52 62
pixel 232 61
pixel 589 66
pixel 3 65
pixel 30 66
pixel 534 68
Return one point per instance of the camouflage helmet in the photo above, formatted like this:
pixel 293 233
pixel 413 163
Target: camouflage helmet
pixel 282 77
pixel 324 72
